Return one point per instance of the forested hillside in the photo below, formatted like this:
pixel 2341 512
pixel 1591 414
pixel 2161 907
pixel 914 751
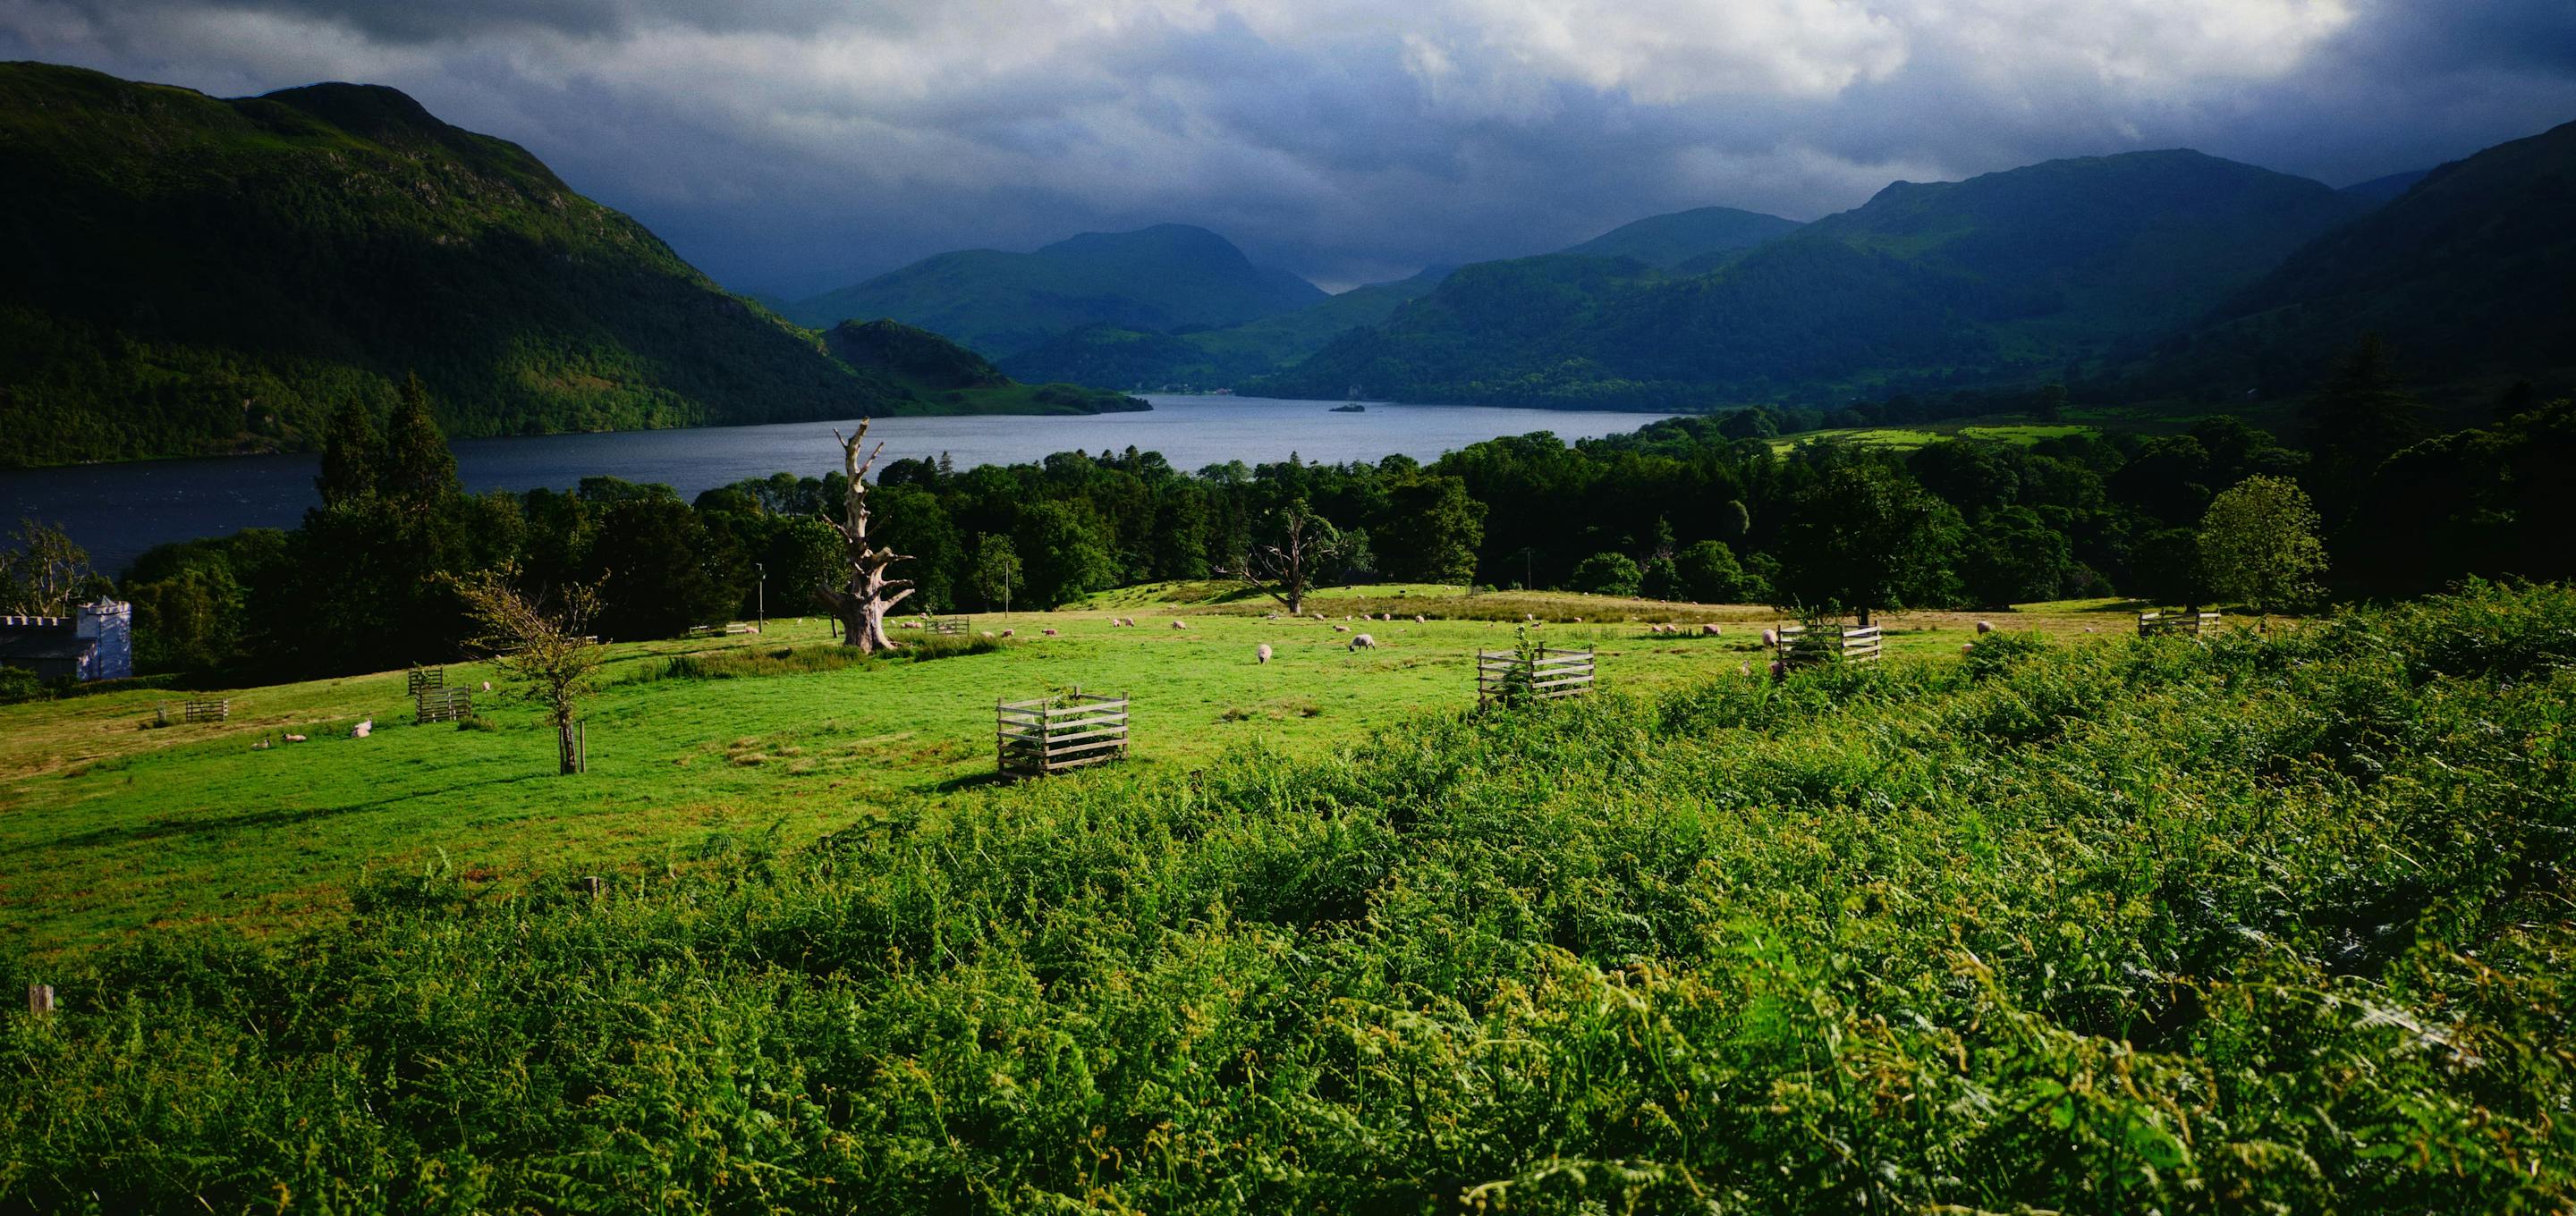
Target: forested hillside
pixel 2465 275
pixel 1215 358
pixel 1155 279
pixel 192 275
pixel 2007 275
pixel 1702 234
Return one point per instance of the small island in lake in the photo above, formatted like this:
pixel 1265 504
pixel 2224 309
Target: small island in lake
pixel 1352 408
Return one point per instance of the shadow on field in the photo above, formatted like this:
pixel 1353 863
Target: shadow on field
pixel 170 827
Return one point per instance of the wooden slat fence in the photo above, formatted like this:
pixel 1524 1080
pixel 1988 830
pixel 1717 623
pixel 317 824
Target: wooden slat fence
pixel 1804 645
pixel 1509 675
pixel 194 711
pixel 946 626
pixel 444 705
pixel 2188 624
pixel 1053 734
pixel 421 678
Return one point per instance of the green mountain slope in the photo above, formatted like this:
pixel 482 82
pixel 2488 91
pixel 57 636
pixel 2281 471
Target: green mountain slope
pixel 1158 279
pixel 2465 274
pixel 2007 275
pixel 193 275
pixel 1107 354
pixel 934 371
pixel 1703 233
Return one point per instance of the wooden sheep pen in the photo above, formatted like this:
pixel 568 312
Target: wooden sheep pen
pixel 2188 624
pixel 945 626
pixel 1061 732
pixel 1805 645
pixel 442 705
pixel 1541 674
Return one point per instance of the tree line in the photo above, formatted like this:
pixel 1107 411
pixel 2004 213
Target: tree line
pixel 1704 508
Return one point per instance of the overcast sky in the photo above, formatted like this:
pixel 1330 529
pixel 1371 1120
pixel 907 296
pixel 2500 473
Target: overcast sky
pixel 791 146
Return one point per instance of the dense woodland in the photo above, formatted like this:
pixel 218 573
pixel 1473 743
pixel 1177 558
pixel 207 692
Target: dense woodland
pixel 1697 508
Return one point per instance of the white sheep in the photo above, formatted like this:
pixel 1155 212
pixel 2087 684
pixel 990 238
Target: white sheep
pixel 1710 629
pixel 1984 627
pixel 1770 637
pixel 1362 641
pixel 1009 632
pixel 363 729
pixel 1341 629
pixel 1319 616
pixel 1263 652
pixel 1180 624
pixel 1417 619
pixel 1047 632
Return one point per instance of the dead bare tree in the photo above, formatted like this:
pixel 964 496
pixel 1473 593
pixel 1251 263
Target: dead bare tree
pixel 545 649
pixel 861 603
pixel 1284 570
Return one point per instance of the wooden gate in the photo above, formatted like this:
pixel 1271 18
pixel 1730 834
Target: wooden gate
pixel 444 705
pixel 1546 674
pixel 1053 734
pixel 2188 624
pixel 1803 645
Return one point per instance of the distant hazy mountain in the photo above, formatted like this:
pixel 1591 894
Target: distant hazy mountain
pixel 1215 358
pixel 2009 274
pixel 1669 241
pixel 2466 274
pixel 1167 277
pixel 191 275
pixel 2385 189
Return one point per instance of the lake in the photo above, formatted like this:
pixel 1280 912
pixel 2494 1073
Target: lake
pixel 117 511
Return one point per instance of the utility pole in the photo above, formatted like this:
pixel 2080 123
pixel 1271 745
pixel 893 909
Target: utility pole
pixel 761 598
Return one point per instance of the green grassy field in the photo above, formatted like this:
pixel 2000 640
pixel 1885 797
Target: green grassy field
pixel 107 829
pixel 1909 438
pixel 2250 923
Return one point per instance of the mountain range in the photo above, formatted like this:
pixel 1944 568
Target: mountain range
pixel 193 275
pixel 1160 278
pixel 2012 273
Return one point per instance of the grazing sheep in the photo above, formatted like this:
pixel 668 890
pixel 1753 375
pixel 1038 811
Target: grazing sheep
pixel 1578 620
pixel 260 746
pixel 487 686
pixel 1047 632
pixel 1985 627
pixel 1779 670
pixel 1319 616
pixel 1362 641
pixel 1390 616
pixel 2090 629
pixel 1709 629
pixel 1529 616
pixel 1009 632
pixel 1262 652
pixel 363 729
pixel 1341 629
pixel 1966 647
pixel 1770 637
pixel 1180 624
pixel 1417 619
pixel 1744 669
pixel 295 738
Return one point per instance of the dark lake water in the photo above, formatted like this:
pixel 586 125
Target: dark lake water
pixel 117 511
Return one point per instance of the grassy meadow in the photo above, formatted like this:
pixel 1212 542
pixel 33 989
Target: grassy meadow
pixel 2261 922
pixel 107 829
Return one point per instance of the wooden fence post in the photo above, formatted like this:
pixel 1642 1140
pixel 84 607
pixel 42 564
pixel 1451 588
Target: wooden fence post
pixel 40 999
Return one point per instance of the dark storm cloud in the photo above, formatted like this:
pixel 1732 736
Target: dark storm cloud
pixel 794 145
